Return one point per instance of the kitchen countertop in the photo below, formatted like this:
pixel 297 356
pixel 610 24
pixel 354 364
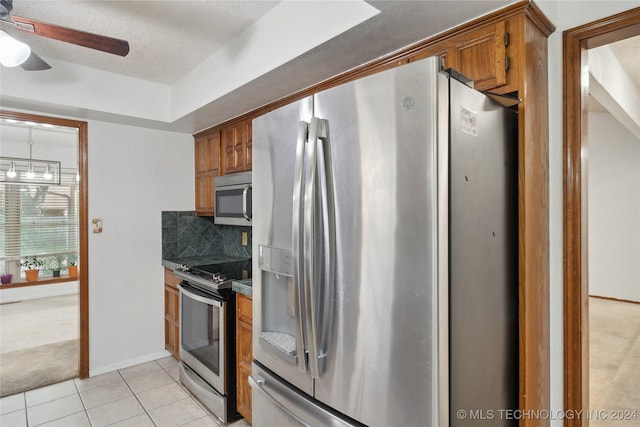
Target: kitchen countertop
pixel 242 287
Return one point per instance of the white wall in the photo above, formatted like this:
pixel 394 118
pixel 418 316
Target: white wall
pixel 614 209
pixel 134 174
pixel 564 15
pixel 38 291
pixel 613 88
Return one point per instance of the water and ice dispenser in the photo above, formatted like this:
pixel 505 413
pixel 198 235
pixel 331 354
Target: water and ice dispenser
pixel 279 303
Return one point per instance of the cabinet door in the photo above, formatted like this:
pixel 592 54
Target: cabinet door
pixel 236 147
pixel 207 167
pixel 172 320
pixel 480 55
pixel 244 354
pixel 171 279
pixel 204 195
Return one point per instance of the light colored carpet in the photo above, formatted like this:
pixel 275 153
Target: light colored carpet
pixel 24 370
pixel 614 363
pixel 38 343
pixel 36 322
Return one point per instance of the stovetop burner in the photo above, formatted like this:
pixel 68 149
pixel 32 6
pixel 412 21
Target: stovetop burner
pixel 218 275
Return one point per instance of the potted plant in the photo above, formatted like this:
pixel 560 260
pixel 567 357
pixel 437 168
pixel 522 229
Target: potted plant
pixel 54 264
pixel 6 278
pixel 32 266
pixel 73 269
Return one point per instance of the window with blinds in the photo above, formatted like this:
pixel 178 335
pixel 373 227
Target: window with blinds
pixel 39 220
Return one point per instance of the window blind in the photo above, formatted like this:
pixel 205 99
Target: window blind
pixel 40 220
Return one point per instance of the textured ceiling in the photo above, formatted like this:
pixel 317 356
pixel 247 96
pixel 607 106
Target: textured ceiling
pixel 167 38
pixel 170 38
pixel 627 52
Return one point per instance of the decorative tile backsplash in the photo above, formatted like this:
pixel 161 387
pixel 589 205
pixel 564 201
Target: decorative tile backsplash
pixel 184 234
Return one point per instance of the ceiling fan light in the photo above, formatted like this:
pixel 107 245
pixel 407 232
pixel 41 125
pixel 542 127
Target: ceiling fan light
pixel 12 51
pixel 5 8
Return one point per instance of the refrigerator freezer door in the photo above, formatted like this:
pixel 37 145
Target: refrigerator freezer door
pixel 484 258
pixel 278 340
pixel 281 405
pixel 381 356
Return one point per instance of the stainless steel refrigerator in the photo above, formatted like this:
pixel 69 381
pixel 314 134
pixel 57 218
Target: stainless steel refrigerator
pixel 385 255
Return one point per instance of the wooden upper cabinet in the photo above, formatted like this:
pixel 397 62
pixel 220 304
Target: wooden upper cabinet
pixel 207 167
pixel 219 151
pixel 481 55
pixel 236 148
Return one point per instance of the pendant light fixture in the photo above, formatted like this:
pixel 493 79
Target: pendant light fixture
pixel 11 173
pixel 30 174
pixel 29 171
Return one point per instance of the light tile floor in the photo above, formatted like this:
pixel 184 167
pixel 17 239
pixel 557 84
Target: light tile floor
pixel 148 394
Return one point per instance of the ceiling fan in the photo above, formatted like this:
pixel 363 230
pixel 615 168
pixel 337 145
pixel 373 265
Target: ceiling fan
pixel 14 52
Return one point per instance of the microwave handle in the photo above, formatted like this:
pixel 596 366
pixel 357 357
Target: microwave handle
pixel 245 192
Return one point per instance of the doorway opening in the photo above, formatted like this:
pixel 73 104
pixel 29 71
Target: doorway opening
pixel 62 258
pixel 576 43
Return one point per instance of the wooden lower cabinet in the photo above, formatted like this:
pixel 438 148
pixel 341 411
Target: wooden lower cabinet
pixel 171 313
pixel 244 319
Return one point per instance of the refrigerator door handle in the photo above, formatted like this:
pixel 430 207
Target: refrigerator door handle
pixel 297 245
pixel 327 255
pixel 310 250
pixel 318 245
pixel 257 383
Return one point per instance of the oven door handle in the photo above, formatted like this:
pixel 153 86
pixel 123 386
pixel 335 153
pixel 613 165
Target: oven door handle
pixel 199 298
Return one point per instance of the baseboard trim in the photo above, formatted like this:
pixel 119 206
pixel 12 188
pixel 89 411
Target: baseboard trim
pixel 128 363
pixel 614 299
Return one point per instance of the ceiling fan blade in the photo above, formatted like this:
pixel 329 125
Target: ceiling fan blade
pixel 69 35
pixel 35 63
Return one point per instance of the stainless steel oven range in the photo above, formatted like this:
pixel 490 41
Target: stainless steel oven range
pixel 207 334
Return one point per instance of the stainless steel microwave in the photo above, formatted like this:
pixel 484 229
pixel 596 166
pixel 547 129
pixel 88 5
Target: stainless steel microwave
pixel 233 199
